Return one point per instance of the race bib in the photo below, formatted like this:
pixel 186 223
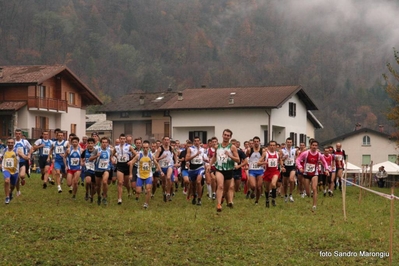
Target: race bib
pixel 90 166
pixel 20 150
pixel 272 162
pixel 196 160
pixel 74 161
pixel 103 164
pixel 122 158
pixel 289 162
pixel 46 151
pixel 254 166
pixel 146 166
pixel 59 149
pixel 338 157
pixel 310 168
pixel 164 163
pixel 9 163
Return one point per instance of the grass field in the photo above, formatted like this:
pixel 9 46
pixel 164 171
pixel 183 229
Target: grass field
pixel 42 227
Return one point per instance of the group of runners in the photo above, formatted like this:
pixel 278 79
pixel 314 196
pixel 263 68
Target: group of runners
pixel 222 168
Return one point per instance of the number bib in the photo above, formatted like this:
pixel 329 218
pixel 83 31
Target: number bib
pixel 103 164
pixel 20 149
pixel 9 163
pixel 196 160
pixel 164 163
pixel 310 168
pixel 46 151
pixel 338 157
pixel 255 166
pixel 74 161
pixel 289 162
pixel 146 166
pixel 272 162
pixel 122 158
pixel 90 166
pixel 59 149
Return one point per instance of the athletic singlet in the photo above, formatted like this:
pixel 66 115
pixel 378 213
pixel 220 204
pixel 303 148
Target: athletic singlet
pixel 90 167
pixel 223 162
pixel 290 161
pixel 145 164
pixel 253 159
pixel 330 161
pixel 44 151
pixel 197 161
pixel 22 145
pixel 311 163
pixel 272 161
pixel 59 148
pixel 339 158
pixel 10 162
pixel 123 154
pixel 73 159
pixel 168 160
pixel 103 162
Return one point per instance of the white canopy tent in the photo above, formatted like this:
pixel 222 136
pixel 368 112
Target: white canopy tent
pixel 390 167
pixel 352 169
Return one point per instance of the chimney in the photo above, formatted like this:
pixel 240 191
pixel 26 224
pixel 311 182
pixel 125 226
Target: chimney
pixel 180 96
pixel 358 126
pixel 203 86
pixel 231 98
pixel 381 128
pixel 141 100
pixel 1 72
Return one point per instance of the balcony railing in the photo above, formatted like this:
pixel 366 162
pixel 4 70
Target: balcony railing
pixel 37 132
pixel 48 104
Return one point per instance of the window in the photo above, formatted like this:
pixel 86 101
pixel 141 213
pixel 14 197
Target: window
pixel 302 138
pixel 392 158
pixel 201 134
pixel 166 129
pixel 293 136
pixel 71 98
pixel 73 128
pixel 292 109
pixel 366 140
pixel 265 137
pixel 146 114
pixel 124 115
pixel 42 122
pixel 366 159
pixel 41 92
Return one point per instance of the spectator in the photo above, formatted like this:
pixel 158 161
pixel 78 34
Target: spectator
pixel 381 176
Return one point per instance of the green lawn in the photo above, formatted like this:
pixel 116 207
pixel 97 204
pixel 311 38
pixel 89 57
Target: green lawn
pixel 43 227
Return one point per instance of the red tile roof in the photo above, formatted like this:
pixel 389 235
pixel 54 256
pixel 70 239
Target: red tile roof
pixel 244 97
pixel 11 106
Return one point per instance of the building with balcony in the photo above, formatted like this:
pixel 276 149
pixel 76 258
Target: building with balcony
pixel 38 97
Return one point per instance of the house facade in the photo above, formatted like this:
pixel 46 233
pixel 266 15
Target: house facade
pixel 34 98
pixel 268 112
pixel 364 145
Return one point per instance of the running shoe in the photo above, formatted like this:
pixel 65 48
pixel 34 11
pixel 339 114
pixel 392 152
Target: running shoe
pixel 313 208
pixel 70 190
pixel 267 204
pixel 74 196
pixel 285 199
pixel 194 201
pixel 145 206
pixel 44 185
pixel 274 203
pixel 59 189
pixel 213 196
pixel 248 194
pixel 11 197
pixel 105 202
pixel 18 193
pixel 99 201
pixel 51 181
pixel 199 203
pixel 119 201
pixel 7 200
pixel 230 205
pixel 252 195
pixel 219 208
pixel 291 198
pixel 87 197
pixel 164 197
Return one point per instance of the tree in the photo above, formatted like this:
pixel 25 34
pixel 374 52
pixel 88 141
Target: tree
pixel 392 90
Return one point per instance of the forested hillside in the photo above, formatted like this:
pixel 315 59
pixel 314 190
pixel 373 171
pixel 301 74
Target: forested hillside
pixel 337 53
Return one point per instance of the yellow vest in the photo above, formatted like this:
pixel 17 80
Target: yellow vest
pixel 10 162
pixel 144 169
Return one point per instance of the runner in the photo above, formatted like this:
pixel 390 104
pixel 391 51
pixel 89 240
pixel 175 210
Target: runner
pixel 102 169
pixel 44 145
pixel 237 172
pixel 255 170
pixel 271 160
pixel 137 148
pixel 89 167
pixel 59 148
pixel 10 167
pixel 155 172
pixel 72 164
pixel 224 158
pixel 166 158
pixel 197 157
pixel 211 170
pixel 124 152
pixel 309 169
pixel 145 161
pixel 184 170
pixel 300 186
pixel 322 177
pixel 340 158
pixel 22 145
pixel 288 155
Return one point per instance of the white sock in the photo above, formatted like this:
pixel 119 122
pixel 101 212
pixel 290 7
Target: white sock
pixel 209 187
